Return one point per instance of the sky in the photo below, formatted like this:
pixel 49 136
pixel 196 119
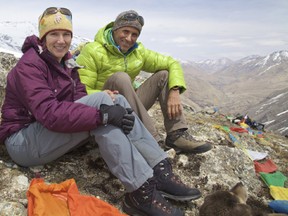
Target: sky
pixel 192 30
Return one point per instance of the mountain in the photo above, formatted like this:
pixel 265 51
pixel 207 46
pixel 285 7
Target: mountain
pixel 242 86
pixel 212 66
pixel 252 79
pixel 199 87
pixel 13 34
pixel 273 112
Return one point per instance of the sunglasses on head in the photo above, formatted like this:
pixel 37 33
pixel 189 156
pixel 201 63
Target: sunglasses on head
pixel 132 17
pixel 54 10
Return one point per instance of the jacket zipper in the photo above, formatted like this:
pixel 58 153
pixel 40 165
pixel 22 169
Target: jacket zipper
pixel 125 63
pixel 73 88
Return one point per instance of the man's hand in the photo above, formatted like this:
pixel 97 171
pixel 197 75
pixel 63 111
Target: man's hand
pixel 174 106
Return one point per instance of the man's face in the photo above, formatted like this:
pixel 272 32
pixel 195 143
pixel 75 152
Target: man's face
pixel 125 37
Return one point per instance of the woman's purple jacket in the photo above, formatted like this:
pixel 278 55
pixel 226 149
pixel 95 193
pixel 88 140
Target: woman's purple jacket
pixel 41 89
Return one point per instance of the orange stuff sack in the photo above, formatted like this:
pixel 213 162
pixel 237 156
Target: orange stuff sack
pixel 64 199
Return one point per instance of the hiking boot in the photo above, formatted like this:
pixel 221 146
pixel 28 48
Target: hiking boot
pixel 170 185
pixel 147 201
pixel 182 141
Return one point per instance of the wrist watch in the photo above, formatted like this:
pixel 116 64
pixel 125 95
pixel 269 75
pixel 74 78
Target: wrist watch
pixel 175 88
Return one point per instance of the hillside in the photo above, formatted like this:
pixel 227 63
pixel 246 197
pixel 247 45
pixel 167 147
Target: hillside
pixel 219 169
pixel 270 111
pixel 242 86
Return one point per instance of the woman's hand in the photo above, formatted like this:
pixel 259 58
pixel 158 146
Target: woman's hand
pixel 118 116
pixel 111 93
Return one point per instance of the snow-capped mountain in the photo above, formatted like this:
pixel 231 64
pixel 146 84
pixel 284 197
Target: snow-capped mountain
pixel 252 63
pixel 13 34
pixel 208 65
pixel 214 65
pixel 258 65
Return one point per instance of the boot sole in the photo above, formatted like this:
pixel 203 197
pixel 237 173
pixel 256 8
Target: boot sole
pixel 132 211
pixel 193 151
pixel 135 212
pixel 180 198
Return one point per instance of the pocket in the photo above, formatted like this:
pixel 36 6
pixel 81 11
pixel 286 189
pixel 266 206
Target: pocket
pixel 20 149
pixel 16 139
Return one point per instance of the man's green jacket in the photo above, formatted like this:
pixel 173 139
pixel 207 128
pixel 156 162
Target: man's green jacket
pixel 101 59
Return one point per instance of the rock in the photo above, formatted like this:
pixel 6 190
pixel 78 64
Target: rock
pixel 7 62
pixel 20 182
pixel 183 160
pixel 12 208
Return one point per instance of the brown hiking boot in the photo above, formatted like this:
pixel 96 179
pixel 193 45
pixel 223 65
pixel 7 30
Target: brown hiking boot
pixel 147 201
pixel 183 142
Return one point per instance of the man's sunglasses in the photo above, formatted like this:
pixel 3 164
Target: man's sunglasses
pixel 54 10
pixel 132 17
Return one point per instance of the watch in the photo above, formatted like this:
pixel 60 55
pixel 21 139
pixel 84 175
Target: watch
pixel 175 88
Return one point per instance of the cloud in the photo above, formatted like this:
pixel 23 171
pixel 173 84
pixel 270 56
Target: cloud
pixel 181 40
pixel 272 42
pixel 228 43
pixel 182 28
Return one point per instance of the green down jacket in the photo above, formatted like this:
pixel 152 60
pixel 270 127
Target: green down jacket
pixel 102 59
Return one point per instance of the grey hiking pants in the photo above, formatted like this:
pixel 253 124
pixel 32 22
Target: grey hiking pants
pixel 129 157
pixel 145 96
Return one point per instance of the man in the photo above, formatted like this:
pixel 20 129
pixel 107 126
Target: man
pixel 112 62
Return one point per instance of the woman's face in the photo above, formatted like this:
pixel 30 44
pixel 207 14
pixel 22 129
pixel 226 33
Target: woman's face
pixel 58 43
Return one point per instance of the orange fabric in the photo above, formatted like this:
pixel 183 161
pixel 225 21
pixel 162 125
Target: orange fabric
pixel 239 130
pixel 64 199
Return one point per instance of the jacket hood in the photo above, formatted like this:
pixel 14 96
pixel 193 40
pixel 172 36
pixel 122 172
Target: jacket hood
pixel 31 42
pixel 100 37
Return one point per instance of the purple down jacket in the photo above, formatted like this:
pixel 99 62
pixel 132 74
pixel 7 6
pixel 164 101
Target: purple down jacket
pixel 41 89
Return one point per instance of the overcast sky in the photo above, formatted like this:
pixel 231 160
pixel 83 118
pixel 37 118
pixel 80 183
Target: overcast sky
pixel 185 29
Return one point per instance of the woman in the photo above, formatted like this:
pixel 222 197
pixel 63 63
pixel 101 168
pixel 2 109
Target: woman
pixel 47 112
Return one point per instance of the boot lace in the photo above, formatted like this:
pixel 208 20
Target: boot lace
pixel 180 133
pixel 157 201
pixel 166 172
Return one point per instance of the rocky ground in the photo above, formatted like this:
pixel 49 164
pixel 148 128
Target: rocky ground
pixel 219 169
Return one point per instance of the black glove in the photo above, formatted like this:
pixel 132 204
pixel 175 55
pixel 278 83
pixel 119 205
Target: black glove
pixel 128 121
pixel 117 116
